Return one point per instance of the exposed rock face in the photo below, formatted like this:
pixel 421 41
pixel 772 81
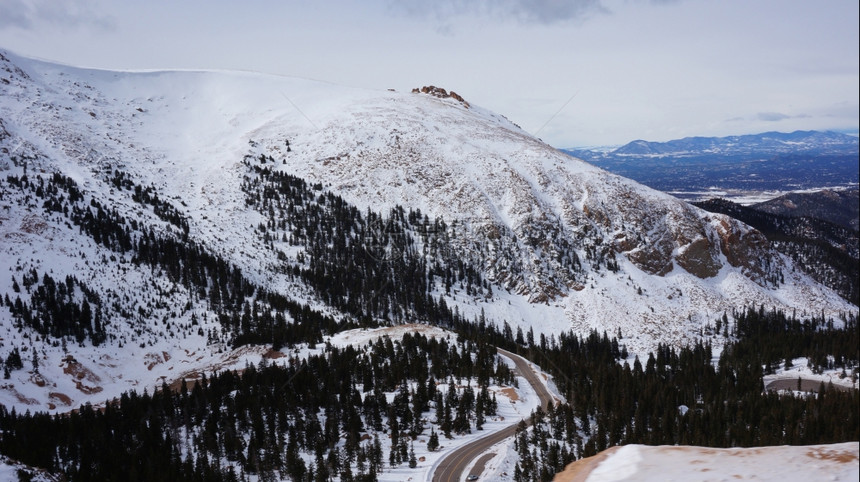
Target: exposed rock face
pixel 747 249
pixel 655 258
pixel 657 236
pixel 440 93
pixel 11 70
pixel 700 259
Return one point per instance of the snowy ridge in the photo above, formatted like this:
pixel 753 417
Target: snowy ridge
pixel 567 245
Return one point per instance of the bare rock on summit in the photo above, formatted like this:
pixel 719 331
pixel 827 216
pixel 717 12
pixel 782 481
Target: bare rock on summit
pixel 440 93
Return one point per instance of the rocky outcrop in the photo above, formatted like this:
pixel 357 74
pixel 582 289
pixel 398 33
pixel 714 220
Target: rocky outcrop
pixel 746 248
pixel 654 258
pixel 699 259
pixel 440 93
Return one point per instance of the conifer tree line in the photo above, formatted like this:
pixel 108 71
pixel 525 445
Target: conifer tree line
pixel 249 314
pixel 367 264
pixel 54 309
pixel 389 264
pixel 679 397
pixel 312 419
pixel 342 258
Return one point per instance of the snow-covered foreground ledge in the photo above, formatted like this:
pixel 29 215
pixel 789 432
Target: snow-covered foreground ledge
pixel 836 462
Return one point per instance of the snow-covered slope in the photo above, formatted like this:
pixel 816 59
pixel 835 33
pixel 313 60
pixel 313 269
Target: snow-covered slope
pixel 644 463
pixel 566 245
pixel 12 470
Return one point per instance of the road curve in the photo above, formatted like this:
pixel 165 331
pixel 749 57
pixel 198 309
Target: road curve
pixel 452 467
pixel 807 385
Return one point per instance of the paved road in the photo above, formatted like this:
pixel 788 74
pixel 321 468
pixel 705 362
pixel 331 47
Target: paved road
pixel 806 385
pixel 453 466
pixel 481 463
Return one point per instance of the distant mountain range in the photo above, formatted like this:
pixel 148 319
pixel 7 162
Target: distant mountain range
pixel 767 143
pixel 767 161
pixel 838 207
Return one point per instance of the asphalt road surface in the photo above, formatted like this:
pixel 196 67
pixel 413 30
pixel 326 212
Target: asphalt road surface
pixel 805 385
pixel 453 466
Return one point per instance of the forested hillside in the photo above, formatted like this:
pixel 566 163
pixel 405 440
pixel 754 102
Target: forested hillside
pixel 323 416
pixel 828 252
pixel 317 418
pixel 680 397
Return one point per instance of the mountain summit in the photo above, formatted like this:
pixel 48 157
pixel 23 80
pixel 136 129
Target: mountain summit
pixel 254 174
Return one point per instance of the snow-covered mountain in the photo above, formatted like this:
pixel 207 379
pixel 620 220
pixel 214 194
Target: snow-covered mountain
pixel 836 206
pixel 730 166
pixel 97 167
pixel 767 144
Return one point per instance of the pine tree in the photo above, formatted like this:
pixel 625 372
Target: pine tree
pixel 413 462
pixel 447 421
pixel 440 408
pixel 433 442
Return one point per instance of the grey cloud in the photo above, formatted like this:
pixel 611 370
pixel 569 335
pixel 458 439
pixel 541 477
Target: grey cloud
pixel 778 116
pixel 549 11
pixel 845 109
pixel 529 11
pixel 771 116
pixel 25 13
pixel 14 13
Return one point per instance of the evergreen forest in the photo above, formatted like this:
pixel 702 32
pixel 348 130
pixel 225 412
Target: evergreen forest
pixel 323 416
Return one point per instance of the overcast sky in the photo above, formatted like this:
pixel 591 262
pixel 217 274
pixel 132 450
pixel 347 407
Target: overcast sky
pixel 575 73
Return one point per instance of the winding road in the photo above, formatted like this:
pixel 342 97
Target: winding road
pixel 452 467
pixel 806 385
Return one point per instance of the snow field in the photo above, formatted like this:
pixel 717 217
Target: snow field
pixel 837 462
